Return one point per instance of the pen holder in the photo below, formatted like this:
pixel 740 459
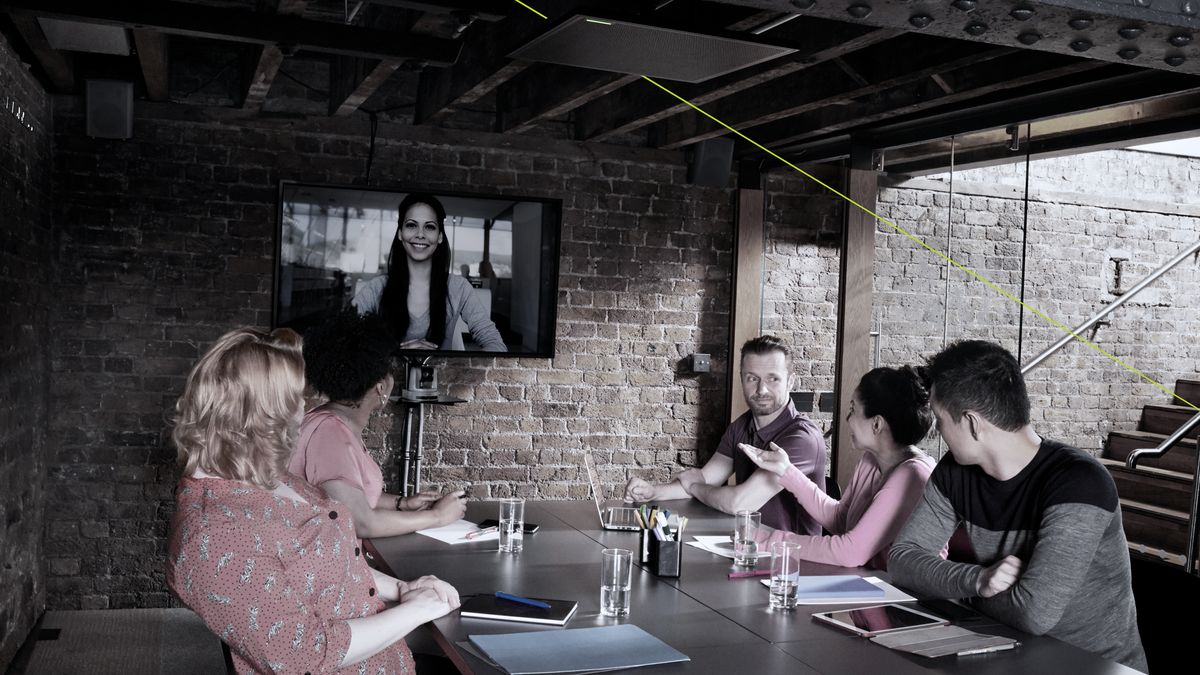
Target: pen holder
pixel 662 558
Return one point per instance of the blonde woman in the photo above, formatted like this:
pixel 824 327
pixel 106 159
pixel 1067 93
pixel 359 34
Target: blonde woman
pixel 268 561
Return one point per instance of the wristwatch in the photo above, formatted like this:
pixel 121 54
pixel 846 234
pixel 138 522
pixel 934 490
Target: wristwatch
pixel 399 502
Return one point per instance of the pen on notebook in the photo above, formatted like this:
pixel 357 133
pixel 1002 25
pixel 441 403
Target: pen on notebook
pixel 750 573
pixel 480 532
pixel 524 601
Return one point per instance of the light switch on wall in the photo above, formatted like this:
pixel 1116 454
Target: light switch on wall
pixel 700 363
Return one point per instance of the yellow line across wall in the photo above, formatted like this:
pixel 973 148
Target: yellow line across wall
pixel 914 238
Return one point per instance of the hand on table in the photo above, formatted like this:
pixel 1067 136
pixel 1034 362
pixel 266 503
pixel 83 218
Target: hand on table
pixel 638 490
pixel 417 344
pixel 999 577
pixel 773 459
pixel 430 595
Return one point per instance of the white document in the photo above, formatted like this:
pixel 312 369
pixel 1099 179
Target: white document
pixel 890 594
pixel 455 533
pixel 722 546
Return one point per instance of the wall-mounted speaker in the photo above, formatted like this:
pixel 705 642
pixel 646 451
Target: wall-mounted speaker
pixel 711 161
pixel 109 109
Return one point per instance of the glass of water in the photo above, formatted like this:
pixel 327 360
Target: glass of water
pixel 616 574
pixel 512 524
pixel 745 546
pixel 785 567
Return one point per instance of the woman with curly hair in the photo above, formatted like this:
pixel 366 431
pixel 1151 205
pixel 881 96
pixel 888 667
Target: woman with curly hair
pixel 418 299
pixel 268 561
pixel 348 359
pixel 889 414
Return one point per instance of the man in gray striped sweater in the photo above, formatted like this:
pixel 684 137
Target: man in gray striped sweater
pixel 1044 523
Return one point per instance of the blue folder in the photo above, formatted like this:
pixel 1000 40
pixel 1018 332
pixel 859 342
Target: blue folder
pixel 576 650
pixel 834 587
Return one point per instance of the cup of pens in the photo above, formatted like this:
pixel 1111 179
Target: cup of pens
pixel 662 541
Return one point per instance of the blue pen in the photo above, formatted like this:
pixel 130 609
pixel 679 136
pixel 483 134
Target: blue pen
pixel 524 601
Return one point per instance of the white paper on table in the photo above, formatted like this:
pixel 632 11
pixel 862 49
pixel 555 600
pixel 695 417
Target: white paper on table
pixel 722 546
pixel 455 533
pixel 890 594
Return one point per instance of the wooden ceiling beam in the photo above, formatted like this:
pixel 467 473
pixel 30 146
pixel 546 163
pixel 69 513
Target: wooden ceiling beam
pixel 629 110
pixel 290 32
pixel 152 55
pixel 545 91
pixel 965 84
pixel 263 69
pixel 883 66
pixel 484 64
pixel 352 81
pixel 58 66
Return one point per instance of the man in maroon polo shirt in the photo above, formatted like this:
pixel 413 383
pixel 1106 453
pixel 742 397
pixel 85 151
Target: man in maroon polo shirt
pixel 766 384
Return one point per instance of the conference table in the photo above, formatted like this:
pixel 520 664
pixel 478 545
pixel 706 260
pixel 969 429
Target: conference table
pixel 724 625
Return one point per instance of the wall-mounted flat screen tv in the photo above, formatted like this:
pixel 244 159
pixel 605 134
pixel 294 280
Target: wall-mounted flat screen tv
pixel 450 273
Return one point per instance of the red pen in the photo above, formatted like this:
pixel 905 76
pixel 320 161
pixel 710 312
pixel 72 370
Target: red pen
pixel 750 573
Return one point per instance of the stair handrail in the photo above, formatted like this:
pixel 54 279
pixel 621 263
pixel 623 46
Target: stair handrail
pixel 1125 297
pixel 1161 449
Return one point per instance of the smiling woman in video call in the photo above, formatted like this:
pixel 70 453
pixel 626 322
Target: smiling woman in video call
pixel 419 299
pixel 270 563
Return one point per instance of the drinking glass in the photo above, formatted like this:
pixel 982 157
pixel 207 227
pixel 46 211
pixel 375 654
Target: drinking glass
pixel 512 523
pixel 785 562
pixel 615 576
pixel 745 547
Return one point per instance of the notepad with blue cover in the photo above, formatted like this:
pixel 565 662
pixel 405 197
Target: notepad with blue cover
pixel 576 650
pixel 487 606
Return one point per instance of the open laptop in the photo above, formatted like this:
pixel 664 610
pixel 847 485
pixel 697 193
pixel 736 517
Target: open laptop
pixel 612 517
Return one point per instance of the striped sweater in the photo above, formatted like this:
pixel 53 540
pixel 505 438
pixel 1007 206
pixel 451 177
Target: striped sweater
pixel 1061 517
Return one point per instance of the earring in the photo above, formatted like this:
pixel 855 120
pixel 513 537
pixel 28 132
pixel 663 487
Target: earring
pixel 383 400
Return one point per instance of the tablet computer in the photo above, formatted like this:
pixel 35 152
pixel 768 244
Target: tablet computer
pixel 879 619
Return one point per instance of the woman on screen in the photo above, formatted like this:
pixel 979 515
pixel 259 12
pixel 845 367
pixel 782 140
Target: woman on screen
pixel 889 413
pixel 349 360
pixel 270 563
pixel 418 299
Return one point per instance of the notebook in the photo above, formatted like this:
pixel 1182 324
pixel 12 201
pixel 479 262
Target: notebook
pixel 576 650
pixel 840 586
pixel 485 606
pixel 612 517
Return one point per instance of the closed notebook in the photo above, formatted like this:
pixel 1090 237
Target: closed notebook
pixel 576 650
pixel 492 607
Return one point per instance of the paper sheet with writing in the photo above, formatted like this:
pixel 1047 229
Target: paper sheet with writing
pixel 455 533
pixel 722 546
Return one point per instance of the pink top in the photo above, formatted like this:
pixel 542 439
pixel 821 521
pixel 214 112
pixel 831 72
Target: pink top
pixel 328 450
pixel 275 578
pixel 867 519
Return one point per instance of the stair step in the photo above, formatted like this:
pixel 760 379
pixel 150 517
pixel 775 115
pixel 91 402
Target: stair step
pixel 1155 526
pixel 1164 419
pixel 1180 457
pixel 1159 487
pixel 1189 389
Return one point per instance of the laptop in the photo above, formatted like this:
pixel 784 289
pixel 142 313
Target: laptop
pixel 612 517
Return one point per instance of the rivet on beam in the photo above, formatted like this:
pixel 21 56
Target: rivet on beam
pixel 1022 13
pixel 1129 53
pixel 976 28
pixel 1180 39
pixel 920 20
pixel 859 10
pixel 1080 23
pixel 1081 45
pixel 964 5
pixel 1129 32
pixel 803 4
pixel 1029 37
pixel 1174 60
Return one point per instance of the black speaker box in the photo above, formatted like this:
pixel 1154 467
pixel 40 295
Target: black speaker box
pixel 109 109
pixel 711 161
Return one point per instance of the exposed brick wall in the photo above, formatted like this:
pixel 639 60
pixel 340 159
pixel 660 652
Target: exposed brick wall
pixel 167 241
pixel 1083 212
pixel 26 257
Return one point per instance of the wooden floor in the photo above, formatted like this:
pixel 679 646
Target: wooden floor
pixel 99 642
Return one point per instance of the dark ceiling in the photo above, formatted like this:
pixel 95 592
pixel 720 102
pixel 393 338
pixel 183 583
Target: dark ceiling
pixel 900 75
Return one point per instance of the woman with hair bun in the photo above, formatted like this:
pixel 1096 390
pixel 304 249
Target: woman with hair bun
pixel 270 563
pixel 889 414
